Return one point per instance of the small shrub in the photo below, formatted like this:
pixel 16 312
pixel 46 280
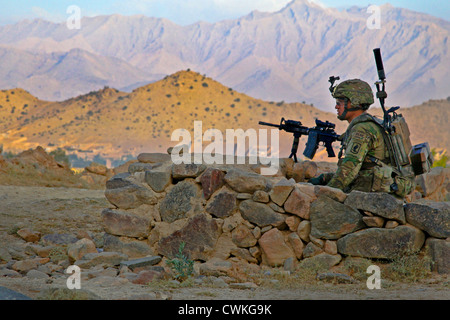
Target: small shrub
pixel 181 265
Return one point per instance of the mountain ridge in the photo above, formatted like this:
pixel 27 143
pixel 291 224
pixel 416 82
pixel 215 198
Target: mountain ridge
pixel 285 55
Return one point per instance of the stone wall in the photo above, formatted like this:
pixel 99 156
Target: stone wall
pixel 226 211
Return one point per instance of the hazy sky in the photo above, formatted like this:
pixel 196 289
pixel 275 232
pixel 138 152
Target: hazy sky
pixel 186 11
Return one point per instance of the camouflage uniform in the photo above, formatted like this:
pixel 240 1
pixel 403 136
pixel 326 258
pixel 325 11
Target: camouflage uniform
pixel 362 140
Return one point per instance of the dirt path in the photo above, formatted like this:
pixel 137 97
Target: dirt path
pixel 69 210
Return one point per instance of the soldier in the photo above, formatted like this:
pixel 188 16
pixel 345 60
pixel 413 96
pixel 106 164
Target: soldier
pixel 362 143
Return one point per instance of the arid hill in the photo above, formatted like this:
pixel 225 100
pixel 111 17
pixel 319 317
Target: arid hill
pixel 111 123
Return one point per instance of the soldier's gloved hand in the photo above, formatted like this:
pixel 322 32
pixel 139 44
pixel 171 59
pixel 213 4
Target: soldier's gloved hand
pixel 320 180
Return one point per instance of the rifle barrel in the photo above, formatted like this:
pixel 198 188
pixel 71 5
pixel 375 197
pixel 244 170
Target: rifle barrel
pixel 269 124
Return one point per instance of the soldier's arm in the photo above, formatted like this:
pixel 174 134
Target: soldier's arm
pixel 360 142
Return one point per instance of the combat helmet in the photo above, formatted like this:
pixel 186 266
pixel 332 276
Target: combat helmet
pixel 357 91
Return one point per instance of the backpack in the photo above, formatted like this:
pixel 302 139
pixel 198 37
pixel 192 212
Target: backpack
pixel 406 161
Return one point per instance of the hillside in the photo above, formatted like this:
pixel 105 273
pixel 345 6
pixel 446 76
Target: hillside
pixel 285 55
pixel 112 123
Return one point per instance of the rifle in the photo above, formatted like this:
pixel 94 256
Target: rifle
pixel 323 132
pixel 387 118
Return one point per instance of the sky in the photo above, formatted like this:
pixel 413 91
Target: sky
pixel 185 12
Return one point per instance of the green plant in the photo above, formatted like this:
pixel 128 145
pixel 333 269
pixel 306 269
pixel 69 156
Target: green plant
pixel 440 158
pixel 182 266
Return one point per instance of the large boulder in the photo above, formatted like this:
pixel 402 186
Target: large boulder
pixel 274 249
pixel 200 235
pixel 122 223
pixel 331 219
pixel 382 243
pixel 126 193
pixel 246 182
pixel 432 217
pixel 439 252
pixel 378 203
pixel 260 214
pixel 178 201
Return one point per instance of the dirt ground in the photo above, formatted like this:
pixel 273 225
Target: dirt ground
pixel 69 210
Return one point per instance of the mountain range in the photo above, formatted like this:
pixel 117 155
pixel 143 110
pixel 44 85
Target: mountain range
pixel 114 124
pixel 286 55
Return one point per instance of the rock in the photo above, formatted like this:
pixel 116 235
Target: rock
pixel 274 249
pixel 298 203
pixel 378 203
pixel 212 180
pixel 381 243
pixel 28 264
pixel 304 170
pixel 243 237
pixel 331 219
pixel 432 217
pixel 376 222
pixel 281 191
pixel 321 261
pixel 131 247
pixel 35 274
pixel 311 250
pixel 139 167
pixel 260 214
pixel 304 230
pixel 153 157
pixel 144 277
pixel 335 277
pixel 9 273
pixel 391 224
pixel 119 181
pixel 29 235
pixel 333 193
pixel 122 223
pixel 292 222
pixel 243 196
pixel 243 254
pixel 223 204
pixel 439 252
pixel 78 249
pixel 141 262
pixel 177 202
pixel 296 244
pixel 130 196
pixel 200 235
pixel 261 196
pixel 431 183
pixel 97 168
pixel 246 182
pixel 8 294
pixel 182 171
pixel 158 180
pixel 216 267
pixel 58 239
pixel 105 258
pixel 330 247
